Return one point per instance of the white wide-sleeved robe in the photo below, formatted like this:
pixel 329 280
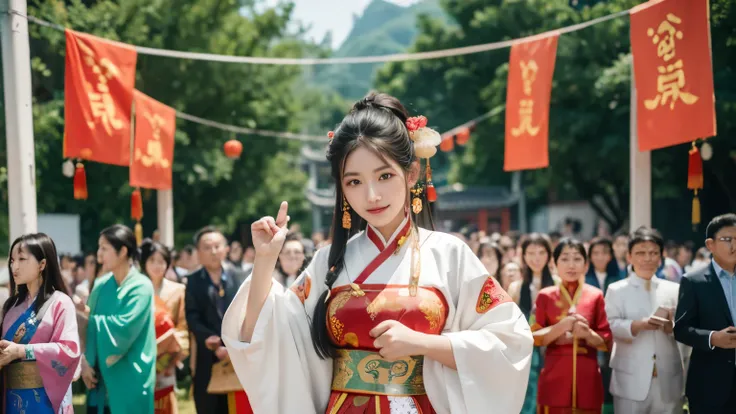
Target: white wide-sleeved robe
pixel 281 372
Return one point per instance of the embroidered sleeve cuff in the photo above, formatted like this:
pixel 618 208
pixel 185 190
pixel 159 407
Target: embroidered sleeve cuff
pixel 30 354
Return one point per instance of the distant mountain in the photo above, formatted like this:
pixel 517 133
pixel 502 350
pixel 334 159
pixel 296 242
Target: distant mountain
pixel 384 28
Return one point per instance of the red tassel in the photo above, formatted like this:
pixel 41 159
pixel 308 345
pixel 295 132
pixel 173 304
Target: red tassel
pixel 694 169
pixel 80 182
pixel 136 205
pixel 463 136
pixel 431 192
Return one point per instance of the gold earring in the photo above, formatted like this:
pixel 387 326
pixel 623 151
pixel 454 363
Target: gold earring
pixel 416 202
pixel 346 220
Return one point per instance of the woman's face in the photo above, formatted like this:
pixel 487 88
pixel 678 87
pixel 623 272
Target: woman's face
pixel 510 273
pixel 490 260
pixel 236 252
pixel 156 266
pixel 24 266
pixel 108 257
pixel 600 256
pixel 375 188
pixel 292 257
pixel 536 258
pixel 571 265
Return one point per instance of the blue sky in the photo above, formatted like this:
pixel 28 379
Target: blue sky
pixel 331 15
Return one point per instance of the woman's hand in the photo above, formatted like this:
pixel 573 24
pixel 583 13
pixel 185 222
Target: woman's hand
pixel 581 330
pixel 88 375
pixel 10 351
pixel 394 340
pixel 269 234
pixel 568 323
pixel 222 354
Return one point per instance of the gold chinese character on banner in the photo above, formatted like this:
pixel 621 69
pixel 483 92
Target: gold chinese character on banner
pixel 154 155
pixel 665 36
pixel 102 104
pixel 671 79
pixel 529 71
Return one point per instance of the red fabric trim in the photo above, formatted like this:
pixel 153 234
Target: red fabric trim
pixel 383 256
pixel 372 236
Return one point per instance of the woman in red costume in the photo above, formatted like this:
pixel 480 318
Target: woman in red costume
pixel 391 318
pixel 571 322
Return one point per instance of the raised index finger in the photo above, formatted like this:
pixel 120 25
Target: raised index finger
pixel 281 217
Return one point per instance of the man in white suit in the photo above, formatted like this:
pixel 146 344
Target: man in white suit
pixel 647 370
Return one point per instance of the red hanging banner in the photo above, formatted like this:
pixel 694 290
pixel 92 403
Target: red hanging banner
pixel 531 67
pixel 155 124
pixel 673 72
pixel 98 92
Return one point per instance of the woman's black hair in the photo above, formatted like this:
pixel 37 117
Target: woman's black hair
pixel 496 252
pixel 571 243
pixel 40 246
pixel 149 248
pixel 377 123
pixel 120 236
pixel 525 296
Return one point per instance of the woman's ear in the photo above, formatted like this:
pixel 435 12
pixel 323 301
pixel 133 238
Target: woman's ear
pixel 42 265
pixel 414 171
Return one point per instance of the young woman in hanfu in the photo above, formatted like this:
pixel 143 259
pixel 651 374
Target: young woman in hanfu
pixel 119 365
pixel 39 352
pixel 393 319
pixel 571 322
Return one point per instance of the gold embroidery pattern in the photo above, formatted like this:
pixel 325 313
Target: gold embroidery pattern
pixel 336 326
pixel 335 305
pixel 343 373
pixel 381 303
pixel 431 307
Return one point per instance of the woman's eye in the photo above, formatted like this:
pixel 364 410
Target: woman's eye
pixel 386 176
pixel 353 182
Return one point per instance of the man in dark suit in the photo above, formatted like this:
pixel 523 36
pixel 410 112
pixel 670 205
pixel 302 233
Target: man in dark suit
pixel 705 321
pixel 210 290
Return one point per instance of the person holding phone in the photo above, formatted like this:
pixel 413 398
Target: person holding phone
pixel 705 321
pixel 647 372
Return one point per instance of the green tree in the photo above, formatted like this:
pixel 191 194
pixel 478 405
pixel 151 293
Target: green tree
pixel 208 188
pixel 589 114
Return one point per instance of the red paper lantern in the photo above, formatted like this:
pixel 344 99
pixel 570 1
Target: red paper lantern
pixel 463 136
pixel 447 143
pixel 233 149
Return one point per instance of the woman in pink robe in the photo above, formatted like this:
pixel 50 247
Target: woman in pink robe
pixel 39 351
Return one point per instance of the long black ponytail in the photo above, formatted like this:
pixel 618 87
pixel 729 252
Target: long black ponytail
pixel 377 123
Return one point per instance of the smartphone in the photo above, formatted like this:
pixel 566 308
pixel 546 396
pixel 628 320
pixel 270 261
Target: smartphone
pixel 662 312
pixel 658 321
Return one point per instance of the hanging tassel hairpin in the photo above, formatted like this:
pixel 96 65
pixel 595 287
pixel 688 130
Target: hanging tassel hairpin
pixel 425 141
pixel 695 181
pixel 431 192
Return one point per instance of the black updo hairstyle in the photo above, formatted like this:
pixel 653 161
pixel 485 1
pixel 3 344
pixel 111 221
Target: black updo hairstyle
pixel 377 123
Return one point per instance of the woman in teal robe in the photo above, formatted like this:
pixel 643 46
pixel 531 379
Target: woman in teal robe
pixel 119 368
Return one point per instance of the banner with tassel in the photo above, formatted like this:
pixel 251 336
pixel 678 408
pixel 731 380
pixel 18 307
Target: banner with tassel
pixel 695 180
pixel 80 182
pixel 136 213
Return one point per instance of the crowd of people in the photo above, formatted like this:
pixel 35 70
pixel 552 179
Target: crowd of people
pixel 384 315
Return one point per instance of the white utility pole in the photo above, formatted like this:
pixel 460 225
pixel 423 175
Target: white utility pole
pixel 640 171
pixel 18 119
pixel 165 200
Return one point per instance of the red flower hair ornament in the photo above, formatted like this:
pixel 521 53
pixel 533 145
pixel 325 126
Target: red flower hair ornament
pixel 425 139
